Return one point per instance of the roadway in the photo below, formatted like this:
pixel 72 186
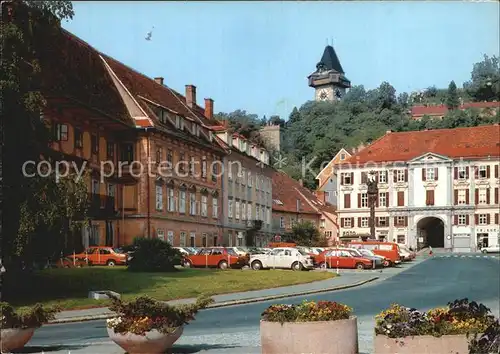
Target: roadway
pixel 236 329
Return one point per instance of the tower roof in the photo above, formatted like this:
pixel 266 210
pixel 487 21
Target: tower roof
pixel 330 60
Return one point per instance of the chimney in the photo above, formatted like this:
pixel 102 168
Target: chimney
pixel 301 182
pixel 191 95
pixel 159 80
pixel 209 108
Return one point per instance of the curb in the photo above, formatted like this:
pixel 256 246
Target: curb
pixel 105 316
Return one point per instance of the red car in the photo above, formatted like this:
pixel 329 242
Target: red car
pixel 102 255
pixel 342 259
pixel 215 257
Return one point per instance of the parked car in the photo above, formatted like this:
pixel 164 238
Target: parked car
pixel 215 257
pixel 285 257
pixel 239 250
pixel 185 250
pixel 491 249
pixel 367 253
pixel 406 253
pixel 102 255
pixel 378 261
pixel 339 258
pixel 389 250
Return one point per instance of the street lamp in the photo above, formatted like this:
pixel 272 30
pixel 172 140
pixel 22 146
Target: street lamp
pixel 372 200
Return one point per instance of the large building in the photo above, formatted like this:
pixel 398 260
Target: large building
pixel 247 190
pixel 437 188
pixel 329 80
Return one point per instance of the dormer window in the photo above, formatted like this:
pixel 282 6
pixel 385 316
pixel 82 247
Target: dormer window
pixel 342 157
pixel 178 122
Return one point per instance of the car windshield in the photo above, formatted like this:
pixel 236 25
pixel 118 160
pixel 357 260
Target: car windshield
pixel 118 250
pixel 231 252
pixel 302 252
pixel 355 253
pixel 366 252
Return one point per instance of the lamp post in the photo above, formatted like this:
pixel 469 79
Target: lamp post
pixel 372 200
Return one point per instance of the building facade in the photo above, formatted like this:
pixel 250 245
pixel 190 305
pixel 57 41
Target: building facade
pixel 247 191
pixel 437 188
pixel 293 203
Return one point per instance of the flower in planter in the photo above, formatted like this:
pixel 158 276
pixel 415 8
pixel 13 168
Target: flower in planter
pixel 145 314
pixel 307 312
pixel 459 317
pixel 31 317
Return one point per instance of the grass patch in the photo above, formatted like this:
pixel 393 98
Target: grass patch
pixel 69 287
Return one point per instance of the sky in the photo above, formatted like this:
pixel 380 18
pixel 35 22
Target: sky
pixel 256 55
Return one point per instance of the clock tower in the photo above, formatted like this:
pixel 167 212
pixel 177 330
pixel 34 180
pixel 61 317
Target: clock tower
pixel 328 80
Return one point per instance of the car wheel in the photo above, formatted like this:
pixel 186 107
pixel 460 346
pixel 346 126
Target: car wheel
pixel 222 265
pixel 484 251
pixel 387 263
pixel 323 265
pixel 297 266
pixel 256 265
pixel 360 266
pixel 111 263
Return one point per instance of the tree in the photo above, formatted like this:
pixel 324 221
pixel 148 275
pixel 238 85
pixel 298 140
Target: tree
pixel 452 99
pixel 36 205
pixel 305 234
pixel 485 80
pixel 152 255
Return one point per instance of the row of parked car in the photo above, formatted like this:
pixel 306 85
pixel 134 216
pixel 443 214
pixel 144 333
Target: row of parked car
pixel 354 255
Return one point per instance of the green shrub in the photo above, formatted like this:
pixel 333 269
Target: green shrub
pixel 152 255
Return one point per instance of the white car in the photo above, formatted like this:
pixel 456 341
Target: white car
pixel 239 251
pixel 284 257
pixel 491 249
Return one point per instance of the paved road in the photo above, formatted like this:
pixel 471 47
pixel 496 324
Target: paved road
pixel 236 329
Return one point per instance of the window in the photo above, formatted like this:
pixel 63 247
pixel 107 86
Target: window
pixel 61 133
pixel 182 201
pixel 170 159
pixel 257 182
pixel 461 198
pixel 160 234
pixel 94 186
pixel 182 161
pixel 382 199
pixel 215 171
pixel 230 171
pixel 249 178
pixel 383 221
pixel 429 197
pixel 347 222
pixel 192 203
pixel 94 143
pixel 204 169
pixel 230 208
pixel 243 176
pixel 462 220
pixel 462 173
pixel 182 240
pixel 159 198
pixel 192 239
pixel 171 199
pixel 177 122
pixel 282 222
pixel 204 242
pixel 215 208
pixel 342 157
pixel 482 196
pixel 429 174
pixel 382 177
pixel 364 200
pixel 78 138
pixel 364 222
pixel 170 237
pixel 483 219
pixel 243 211
pixel 322 223
pixel 268 216
pixel 249 211
pixel 159 154
pixel 482 173
pixel 401 198
pixel 127 152
pixel 346 178
pixel 237 210
pixel 400 176
pixel 191 166
pixel 401 239
pixel 110 149
pixel 204 206
pixel 400 221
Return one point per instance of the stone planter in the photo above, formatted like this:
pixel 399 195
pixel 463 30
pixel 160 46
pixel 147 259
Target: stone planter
pixel 333 337
pixel 452 344
pixel 153 342
pixel 15 338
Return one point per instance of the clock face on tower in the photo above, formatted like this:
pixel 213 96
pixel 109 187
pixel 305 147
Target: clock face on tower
pixel 323 95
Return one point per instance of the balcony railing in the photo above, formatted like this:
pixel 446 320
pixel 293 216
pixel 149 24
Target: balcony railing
pixel 101 206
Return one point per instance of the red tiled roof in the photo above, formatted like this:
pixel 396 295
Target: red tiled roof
pixel 285 190
pixel 442 109
pixel 473 142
